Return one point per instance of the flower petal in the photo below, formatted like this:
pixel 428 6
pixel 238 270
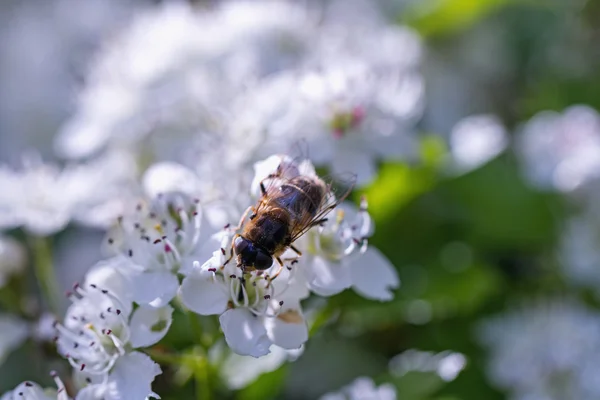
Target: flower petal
pixel 288 329
pixel 148 325
pixel 203 294
pixel 131 378
pixel 327 278
pixel 239 371
pixel 245 333
pixel 373 276
pixel 165 177
pixel 155 288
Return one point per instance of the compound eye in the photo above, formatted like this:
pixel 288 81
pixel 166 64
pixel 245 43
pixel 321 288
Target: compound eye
pixel 263 260
pixel 240 244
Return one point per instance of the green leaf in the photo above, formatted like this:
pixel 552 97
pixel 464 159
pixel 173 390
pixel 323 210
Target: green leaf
pixel 447 16
pixel 267 386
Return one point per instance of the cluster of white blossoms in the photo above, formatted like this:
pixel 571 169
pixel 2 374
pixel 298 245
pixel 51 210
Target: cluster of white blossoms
pixel 242 80
pixel 174 114
pixel 549 350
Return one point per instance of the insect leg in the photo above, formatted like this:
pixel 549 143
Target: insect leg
pixel 230 251
pixel 295 250
pixel 241 223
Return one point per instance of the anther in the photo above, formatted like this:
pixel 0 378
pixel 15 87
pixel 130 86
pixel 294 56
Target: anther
pixel 281 303
pixel 130 253
pixel 222 251
pixel 53 374
pixel 156 241
pixel 111 240
pixel 28 384
pixel 266 297
pixel 82 367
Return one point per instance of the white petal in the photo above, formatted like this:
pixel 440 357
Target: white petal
pixel 327 278
pixel 13 333
pixel 203 294
pixel 245 333
pixel 131 378
pixel 168 177
pixel 373 276
pixel 288 329
pixel 153 288
pixel 148 325
pixel 106 275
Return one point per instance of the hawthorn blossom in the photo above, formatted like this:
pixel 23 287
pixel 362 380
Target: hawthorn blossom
pixel 159 239
pixel 561 151
pixel 475 140
pixel 13 258
pixel 255 309
pixel 363 388
pixel 32 391
pixel 168 79
pixel 43 198
pixel 99 336
pixel 548 350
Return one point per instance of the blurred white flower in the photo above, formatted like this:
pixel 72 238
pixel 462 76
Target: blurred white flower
pixel 363 388
pixel 256 309
pixel 175 71
pixel 33 391
pixel 42 64
pixel 43 198
pixel 100 334
pixel 14 332
pixel 561 151
pixel 547 350
pixel 13 258
pixel 447 365
pixel 475 140
pixel 230 84
pixel 579 250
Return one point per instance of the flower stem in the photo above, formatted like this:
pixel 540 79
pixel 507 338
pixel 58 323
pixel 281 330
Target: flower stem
pixel 44 271
pixel 201 377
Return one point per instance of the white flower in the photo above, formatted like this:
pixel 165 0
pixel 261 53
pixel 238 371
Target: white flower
pixel 256 309
pixel 131 379
pixel 13 258
pixel 43 199
pixel 14 332
pixel 547 350
pixel 33 391
pixel 561 151
pixel 99 334
pixel 167 80
pixel 363 388
pixel 475 140
pixel 160 239
pixel 336 257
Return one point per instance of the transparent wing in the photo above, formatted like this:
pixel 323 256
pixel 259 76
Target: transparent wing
pixel 337 190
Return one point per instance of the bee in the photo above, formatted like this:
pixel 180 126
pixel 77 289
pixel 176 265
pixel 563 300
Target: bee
pixel 290 204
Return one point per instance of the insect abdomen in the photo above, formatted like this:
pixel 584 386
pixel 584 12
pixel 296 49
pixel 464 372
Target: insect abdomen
pixel 269 231
pixel 301 195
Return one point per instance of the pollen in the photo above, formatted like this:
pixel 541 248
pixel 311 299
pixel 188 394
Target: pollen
pixel 291 317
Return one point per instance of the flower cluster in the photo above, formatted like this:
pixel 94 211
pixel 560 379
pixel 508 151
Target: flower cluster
pixel 243 80
pixel 167 147
pixel 546 350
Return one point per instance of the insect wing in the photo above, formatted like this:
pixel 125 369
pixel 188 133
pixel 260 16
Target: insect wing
pixel 338 189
